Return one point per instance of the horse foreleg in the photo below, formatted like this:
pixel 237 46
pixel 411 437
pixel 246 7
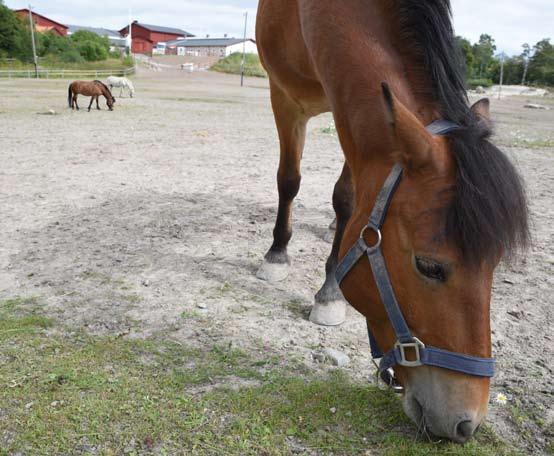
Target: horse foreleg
pixel 291 125
pixel 97 105
pixel 90 104
pixel 330 307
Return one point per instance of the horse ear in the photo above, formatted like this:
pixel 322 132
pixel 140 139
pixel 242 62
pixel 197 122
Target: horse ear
pixel 412 143
pixel 481 108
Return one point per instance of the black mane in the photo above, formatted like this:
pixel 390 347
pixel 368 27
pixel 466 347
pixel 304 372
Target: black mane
pixel 103 85
pixel 488 215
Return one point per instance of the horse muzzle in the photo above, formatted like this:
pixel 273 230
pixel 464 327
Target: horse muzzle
pixel 445 404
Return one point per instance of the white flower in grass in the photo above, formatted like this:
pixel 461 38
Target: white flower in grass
pixel 501 399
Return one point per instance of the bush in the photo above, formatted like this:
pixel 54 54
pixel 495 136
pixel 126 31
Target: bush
pixel 232 63
pixel 91 46
pixel 92 51
pixel 474 83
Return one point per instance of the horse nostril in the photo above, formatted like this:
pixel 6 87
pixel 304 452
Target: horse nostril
pixel 464 430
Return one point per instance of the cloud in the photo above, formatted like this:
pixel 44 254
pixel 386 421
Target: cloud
pixel 214 17
pixel 510 22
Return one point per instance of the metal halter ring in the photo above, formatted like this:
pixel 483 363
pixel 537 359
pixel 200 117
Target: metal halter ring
pixel 417 345
pixel 379 237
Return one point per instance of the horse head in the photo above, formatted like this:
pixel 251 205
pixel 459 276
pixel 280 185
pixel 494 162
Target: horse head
pixel 458 209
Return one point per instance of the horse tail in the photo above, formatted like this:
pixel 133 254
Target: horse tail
pixel 69 95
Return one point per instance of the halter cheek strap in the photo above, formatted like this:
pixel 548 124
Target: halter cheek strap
pixel 424 355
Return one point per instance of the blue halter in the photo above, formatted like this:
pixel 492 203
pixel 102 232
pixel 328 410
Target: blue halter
pixel 424 354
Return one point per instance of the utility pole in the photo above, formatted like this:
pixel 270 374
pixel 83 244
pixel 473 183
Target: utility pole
pixel 129 35
pixel 502 56
pixel 526 55
pixel 243 51
pixel 31 22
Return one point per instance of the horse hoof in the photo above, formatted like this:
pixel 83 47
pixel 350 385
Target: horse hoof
pixel 331 313
pixel 333 224
pixel 273 272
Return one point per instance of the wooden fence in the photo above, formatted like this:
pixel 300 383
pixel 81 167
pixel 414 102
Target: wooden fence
pixel 46 73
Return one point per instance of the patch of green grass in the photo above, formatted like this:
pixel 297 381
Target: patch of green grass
pixel 102 278
pixel 483 82
pixel 329 129
pixel 19 315
pixel 232 64
pixel 298 308
pixel 188 314
pixel 78 394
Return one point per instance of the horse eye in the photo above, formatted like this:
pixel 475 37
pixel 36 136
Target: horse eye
pixel 431 269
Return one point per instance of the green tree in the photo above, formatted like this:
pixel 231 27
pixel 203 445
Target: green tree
pixel 525 55
pixel 91 46
pixel 59 46
pixel 15 37
pixel 9 29
pixel 541 64
pixel 513 68
pixel 467 52
pixel 483 52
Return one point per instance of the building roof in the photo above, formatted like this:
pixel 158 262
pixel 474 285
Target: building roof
pixel 207 42
pixel 160 29
pixel 26 10
pixel 98 30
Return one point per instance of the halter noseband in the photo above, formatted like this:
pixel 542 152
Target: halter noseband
pixel 424 354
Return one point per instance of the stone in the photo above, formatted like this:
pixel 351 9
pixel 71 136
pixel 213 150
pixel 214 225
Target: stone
pixel 519 314
pixel 536 106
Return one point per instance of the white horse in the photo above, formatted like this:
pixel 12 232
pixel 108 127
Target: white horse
pixel 114 81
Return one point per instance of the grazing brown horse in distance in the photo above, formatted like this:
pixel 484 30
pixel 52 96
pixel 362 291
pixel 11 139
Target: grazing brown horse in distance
pixel 389 71
pixel 92 89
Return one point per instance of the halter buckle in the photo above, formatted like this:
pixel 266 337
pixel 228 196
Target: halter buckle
pixel 379 237
pixel 417 345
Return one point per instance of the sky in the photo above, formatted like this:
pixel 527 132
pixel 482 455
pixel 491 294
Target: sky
pixel 510 22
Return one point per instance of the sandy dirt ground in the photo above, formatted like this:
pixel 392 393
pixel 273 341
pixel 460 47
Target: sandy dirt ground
pixel 123 222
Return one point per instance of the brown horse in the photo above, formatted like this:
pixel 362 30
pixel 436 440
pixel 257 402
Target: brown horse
pixel 92 89
pixel 386 70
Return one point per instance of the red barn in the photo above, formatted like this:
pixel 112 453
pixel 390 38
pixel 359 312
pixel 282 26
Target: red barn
pixel 42 23
pixel 146 36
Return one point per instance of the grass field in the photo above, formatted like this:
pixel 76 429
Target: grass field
pixel 232 65
pixel 71 393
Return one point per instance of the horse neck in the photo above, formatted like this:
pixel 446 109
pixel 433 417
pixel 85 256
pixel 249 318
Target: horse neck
pixel 411 85
pixel 105 92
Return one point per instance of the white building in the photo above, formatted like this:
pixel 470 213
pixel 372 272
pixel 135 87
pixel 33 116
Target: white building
pixel 208 47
